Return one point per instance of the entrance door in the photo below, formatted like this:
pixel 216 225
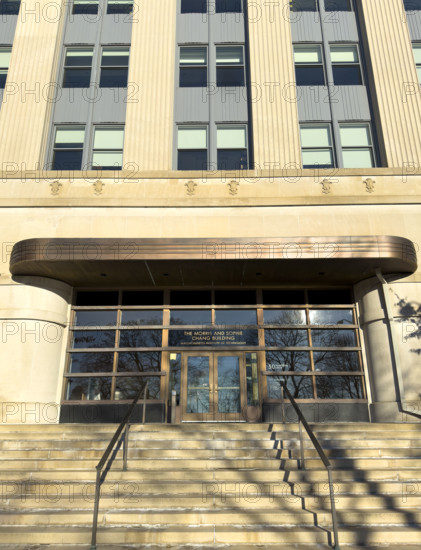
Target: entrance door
pixel 213 386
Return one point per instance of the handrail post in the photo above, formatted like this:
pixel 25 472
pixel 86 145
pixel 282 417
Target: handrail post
pixel 96 508
pixel 144 403
pixel 126 446
pixel 282 403
pixel 173 405
pixel 333 508
pixel 302 463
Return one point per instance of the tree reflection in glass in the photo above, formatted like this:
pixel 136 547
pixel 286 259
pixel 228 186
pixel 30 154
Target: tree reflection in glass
pixel 140 338
pixel 301 387
pixel 333 338
pixel 133 317
pixel 89 389
pixel 139 361
pixel 94 339
pixel 284 317
pixel 128 387
pixel 331 317
pixel 229 384
pixel 198 384
pixel 336 361
pixel 339 387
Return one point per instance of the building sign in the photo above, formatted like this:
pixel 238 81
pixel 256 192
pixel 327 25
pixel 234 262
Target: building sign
pixel 213 337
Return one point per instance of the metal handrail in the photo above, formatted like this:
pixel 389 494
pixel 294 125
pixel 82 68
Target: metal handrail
pixel 125 423
pixel 321 453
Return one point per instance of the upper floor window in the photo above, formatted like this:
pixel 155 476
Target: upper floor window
pixel 107 151
pixel 77 67
pixel 114 67
pixel 232 147
pixel 85 7
pixel 193 67
pixel 192 146
pixel 312 5
pixel 68 148
pixel 338 5
pixel 309 65
pixel 71 148
pixel 193 6
pixel 345 65
pixel 357 148
pixel 354 140
pixel 119 6
pixel 303 5
pixel 5 54
pixel 412 5
pixel 230 66
pixel 215 6
pixel 9 7
pixel 416 48
pixel 228 6
pixel 316 146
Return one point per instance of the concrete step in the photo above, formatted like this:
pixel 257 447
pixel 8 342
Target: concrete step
pixel 30 464
pixel 226 516
pixel 186 443
pixel 173 487
pixel 215 546
pixel 208 535
pixel 411 475
pixel 59 497
pixel 216 452
pixel 415 425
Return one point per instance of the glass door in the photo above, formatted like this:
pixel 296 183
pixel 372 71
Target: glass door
pixel 197 397
pixel 214 387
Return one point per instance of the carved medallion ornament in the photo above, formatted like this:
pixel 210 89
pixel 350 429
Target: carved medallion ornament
pixel 233 187
pixel 369 185
pixel 98 187
pixel 326 186
pixel 56 187
pixel 190 188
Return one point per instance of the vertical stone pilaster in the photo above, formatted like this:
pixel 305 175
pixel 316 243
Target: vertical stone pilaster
pixel 274 108
pixel 149 118
pixel 393 81
pixel 31 80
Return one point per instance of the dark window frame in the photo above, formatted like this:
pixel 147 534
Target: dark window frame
pixel 94 150
pixel 347 65
pixel 193 68
pixel 69 68
pixel 220 161
pixel 79 148
pixel 331 147
pixel 224 68
pixel 331 7
pixel 104 68
pixel 306 66
pixel 192 152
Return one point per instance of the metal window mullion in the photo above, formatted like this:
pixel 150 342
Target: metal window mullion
pixel 310 343
pixel 115 359
pixel 96 62
pixel 337 153
pixel 212 131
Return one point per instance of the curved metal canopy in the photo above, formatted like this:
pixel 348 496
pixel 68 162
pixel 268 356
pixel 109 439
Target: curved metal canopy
pixel 213 262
